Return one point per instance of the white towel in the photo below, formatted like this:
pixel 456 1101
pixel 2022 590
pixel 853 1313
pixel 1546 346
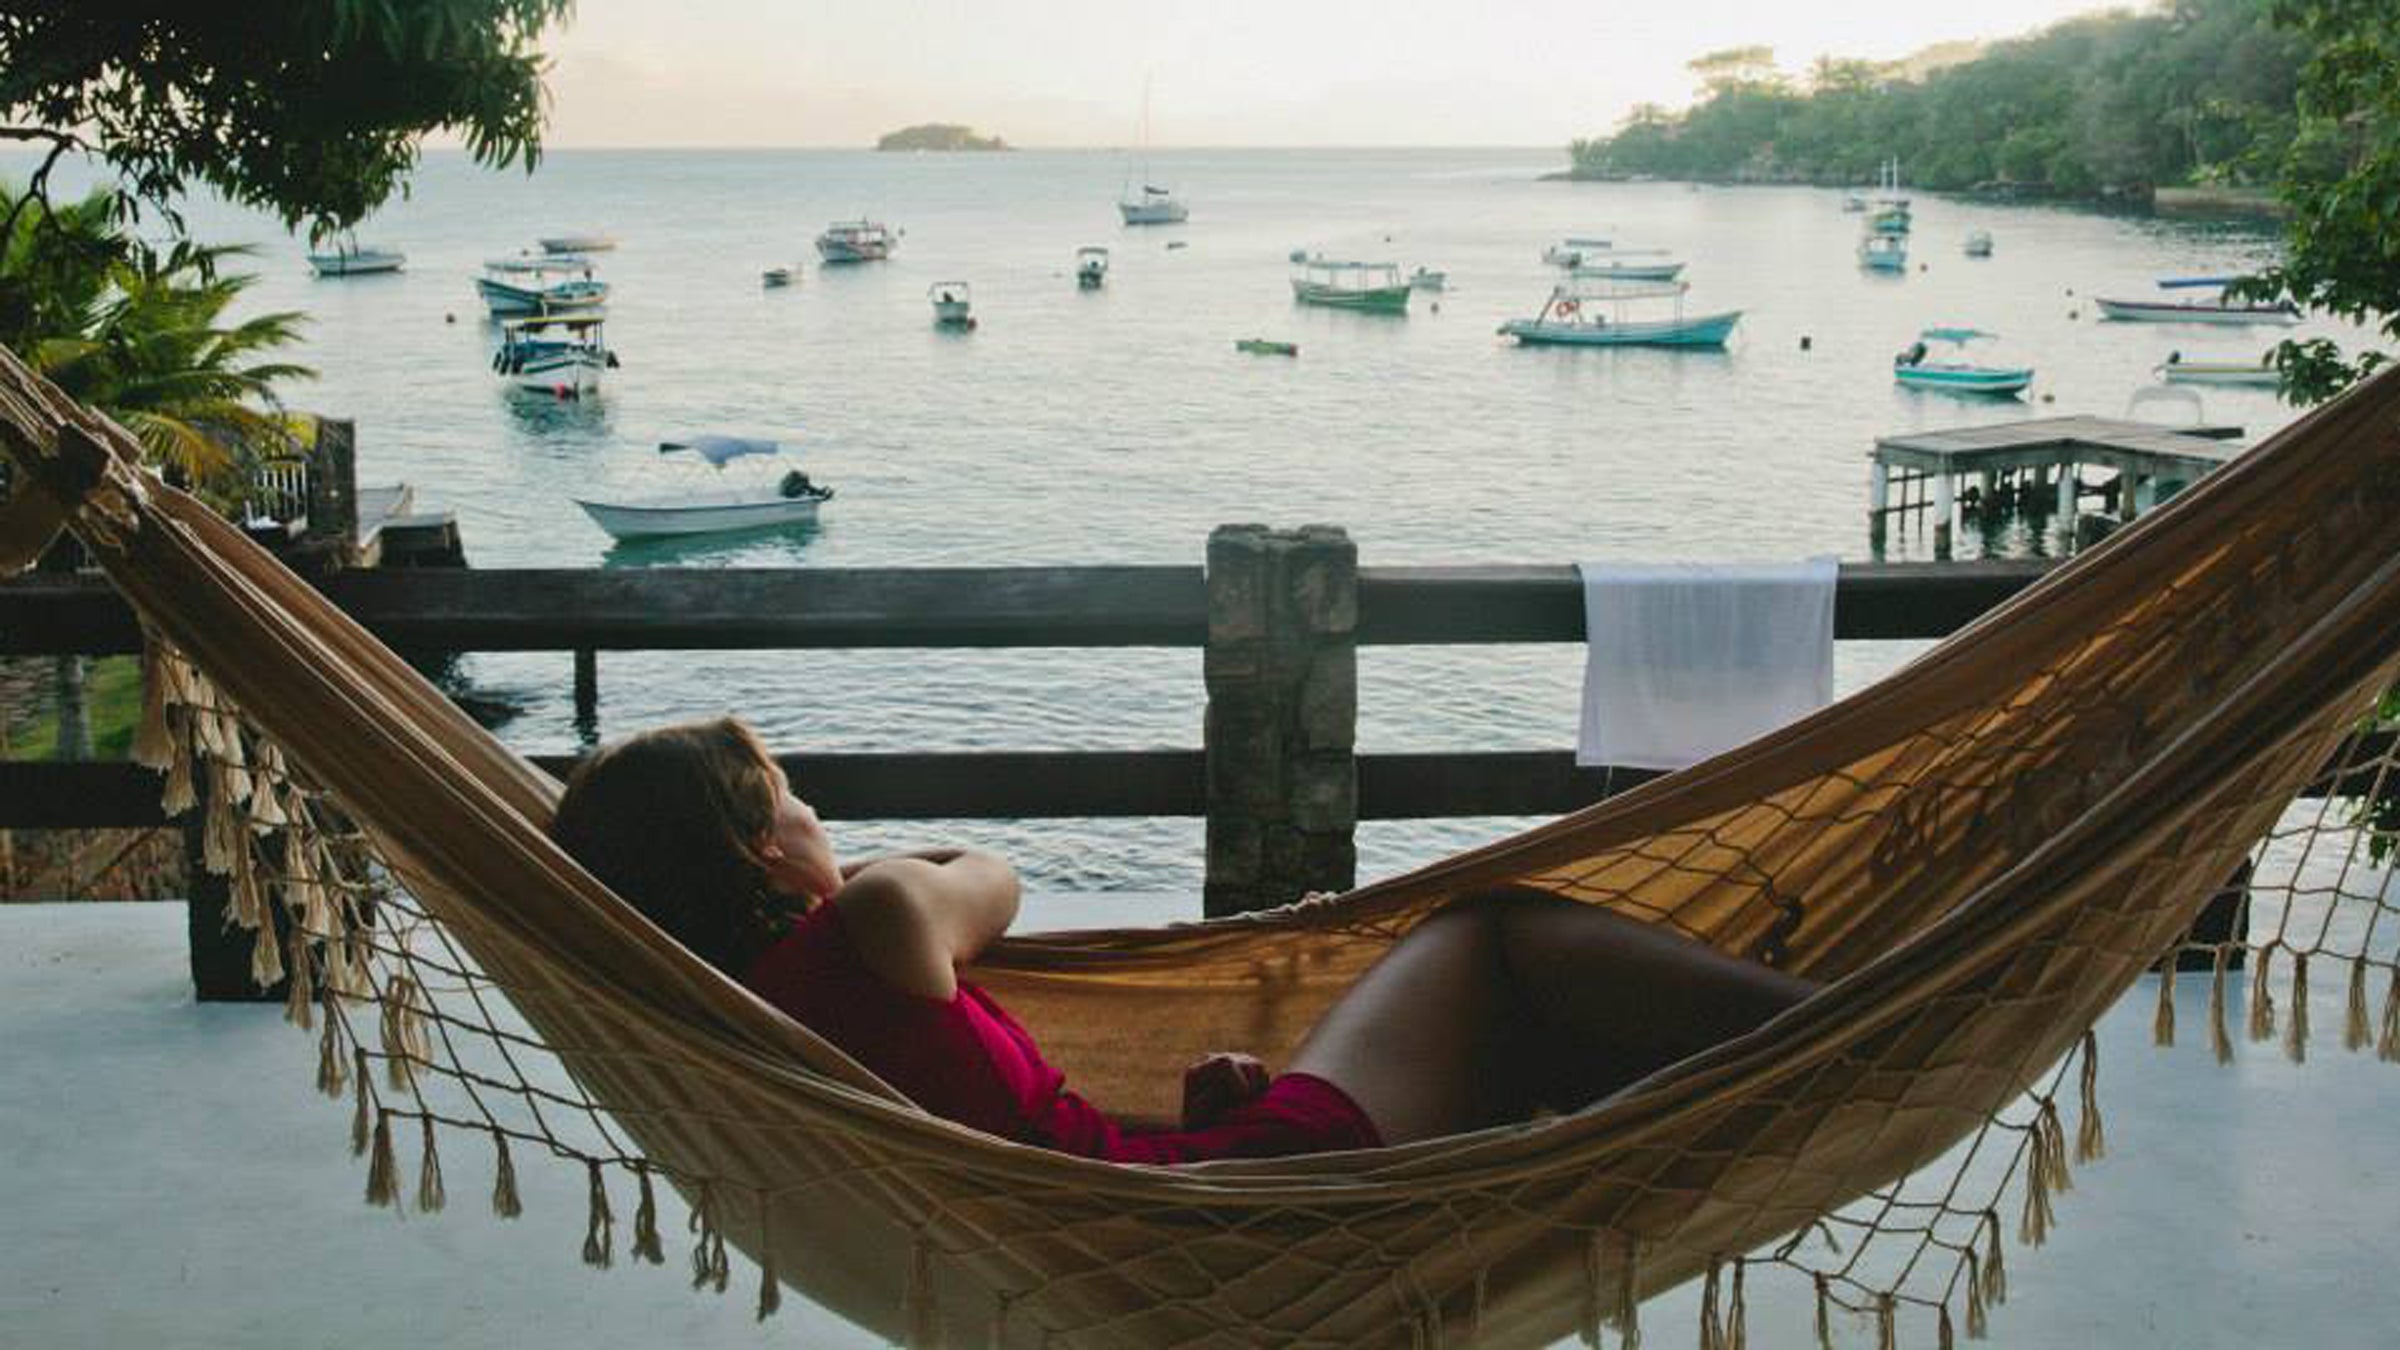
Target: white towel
pixel 1687 660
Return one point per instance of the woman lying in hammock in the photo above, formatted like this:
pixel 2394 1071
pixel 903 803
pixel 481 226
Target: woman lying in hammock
pixel 1504 1004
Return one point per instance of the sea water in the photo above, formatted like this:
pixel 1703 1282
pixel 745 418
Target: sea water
pixel 1120 425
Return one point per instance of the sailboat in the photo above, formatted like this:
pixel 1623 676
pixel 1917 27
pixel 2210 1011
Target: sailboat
pixel 1153 205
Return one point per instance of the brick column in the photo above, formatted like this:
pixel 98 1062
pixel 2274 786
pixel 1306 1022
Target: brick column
pixel 1282 731
pixel 333 491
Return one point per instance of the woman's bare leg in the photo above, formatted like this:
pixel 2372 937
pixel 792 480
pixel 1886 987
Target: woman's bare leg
pixel 1517 999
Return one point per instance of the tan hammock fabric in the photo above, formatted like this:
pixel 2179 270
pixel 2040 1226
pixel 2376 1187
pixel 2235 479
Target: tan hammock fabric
pixel 1980 854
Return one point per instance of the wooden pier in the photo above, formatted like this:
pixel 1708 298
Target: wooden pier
pixel 2034 466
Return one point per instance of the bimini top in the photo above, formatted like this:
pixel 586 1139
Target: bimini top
pixel 722 450
pixel 1955 334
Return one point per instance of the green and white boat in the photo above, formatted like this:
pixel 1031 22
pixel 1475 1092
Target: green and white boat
pixel 1374 286
pixel 1915 369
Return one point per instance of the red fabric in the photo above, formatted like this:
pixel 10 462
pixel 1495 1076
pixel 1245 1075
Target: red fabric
pixel 967 1060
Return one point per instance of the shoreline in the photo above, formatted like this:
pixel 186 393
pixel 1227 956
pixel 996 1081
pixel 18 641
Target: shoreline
pixel 2232 202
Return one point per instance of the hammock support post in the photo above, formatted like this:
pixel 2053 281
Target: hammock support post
pixel 1281 668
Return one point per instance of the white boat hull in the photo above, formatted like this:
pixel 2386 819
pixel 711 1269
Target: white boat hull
pixel 1706 330
pixel 1154 213
pixel 505 300
pixel 836 251
pixel 578 243
pixel 575 376
pixel 659 520
pixel 2152 311
pixel 365 263
pixel 2226 373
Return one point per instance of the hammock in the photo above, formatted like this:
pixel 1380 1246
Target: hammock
pixel 1978 855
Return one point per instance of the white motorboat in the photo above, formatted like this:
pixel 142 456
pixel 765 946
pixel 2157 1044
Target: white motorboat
pixel 1879 252
pixel 561 355
pixel 1429 279
pixel 1091 266
pixel 1979 243
pixel 712 500
pixel 850 241
pixel 953 304
pixel 1572 250
pixel 526 285
pixel 578 241
pixel 2214 309
pixel 1627 267
pixel 349 259
pixel 1595 314
pixel 2254 374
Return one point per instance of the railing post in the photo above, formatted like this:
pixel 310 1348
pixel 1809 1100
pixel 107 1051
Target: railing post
pixel 220 949
pixel 1281 669
pixel 333 490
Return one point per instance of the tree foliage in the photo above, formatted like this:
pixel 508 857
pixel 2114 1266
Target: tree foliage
pixel 310 109
pixel 2199 92
pixel 2341 177
pixel 140 333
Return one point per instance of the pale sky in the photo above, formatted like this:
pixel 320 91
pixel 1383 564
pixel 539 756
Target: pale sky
pixel 1232 72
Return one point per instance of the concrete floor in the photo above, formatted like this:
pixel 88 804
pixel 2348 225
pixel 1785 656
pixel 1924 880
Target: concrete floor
pixel 169 1177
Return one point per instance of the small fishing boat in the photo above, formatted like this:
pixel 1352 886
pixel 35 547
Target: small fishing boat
pixel 953 304
pixel 1594 314
pixel 850 241
pixel 717 502
pixel 778 276
pixel 1266 347
pixel 2205 310
pixel 561 355
pixel 1883 252
pixel 1153 206
pixel 1572 250
pixel 524 285
pixel 2180 369
pixel 578 241
pixel 1979 243
pixel 348 259
pixel 1429 279
pixel 1377 287
pixel 1628 267
pixel 1091 267
pixel 1915 368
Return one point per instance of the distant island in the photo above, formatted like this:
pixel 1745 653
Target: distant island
pixel 939 136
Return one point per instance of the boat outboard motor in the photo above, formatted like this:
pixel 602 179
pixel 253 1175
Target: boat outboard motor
pixel 613 363
pixel 1915 355
pixel 796 485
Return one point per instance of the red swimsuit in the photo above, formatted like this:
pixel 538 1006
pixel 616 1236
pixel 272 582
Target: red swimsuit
pixel 967 1060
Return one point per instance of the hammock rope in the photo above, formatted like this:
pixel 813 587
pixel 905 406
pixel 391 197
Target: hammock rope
pixel 1979 855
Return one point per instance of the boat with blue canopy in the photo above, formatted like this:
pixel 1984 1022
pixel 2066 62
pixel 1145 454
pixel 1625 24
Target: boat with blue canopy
pixel 722 498
pixel 1589 313
pixel 1915 367
pixel 526 285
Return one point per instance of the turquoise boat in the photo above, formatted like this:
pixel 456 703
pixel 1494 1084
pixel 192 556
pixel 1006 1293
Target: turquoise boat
pixel 1376 287
pixel 1883 252
pixel 1589 315
pixel 1959 376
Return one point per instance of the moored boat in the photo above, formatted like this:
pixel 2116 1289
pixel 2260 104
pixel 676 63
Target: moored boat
pixel 2180 369
pixel 1429 279
pixel 1883 252
pixel 778 276
pixel 2217 310
pixel 1591 314
pixel 1266 347
pixel 1153 206
pixel 349 259
pixel 561 355
pixel 1376 287
pixel 1915 367
pixel 851 241
pixel 1979 243
pixel 1572 250
pixel 953 304
pixel 715 506
pixel 523 286
pixel 1091 267
pixel 1628 267
pixel 578 241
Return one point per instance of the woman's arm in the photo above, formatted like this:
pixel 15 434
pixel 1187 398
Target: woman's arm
pixel 915 921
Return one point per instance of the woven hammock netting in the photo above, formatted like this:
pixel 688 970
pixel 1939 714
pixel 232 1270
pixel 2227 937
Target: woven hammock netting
pixel 1978 855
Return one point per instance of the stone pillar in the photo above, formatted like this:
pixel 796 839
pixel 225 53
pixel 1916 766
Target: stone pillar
pixel 2069 490
pixel 333 491
pixel 1282 726
pixel 1945 510
pixel 1879 502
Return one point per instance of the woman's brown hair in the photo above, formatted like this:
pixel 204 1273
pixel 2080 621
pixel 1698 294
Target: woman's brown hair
pixel 670 820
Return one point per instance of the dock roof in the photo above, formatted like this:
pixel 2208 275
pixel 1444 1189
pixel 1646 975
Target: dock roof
pixel 2142 447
